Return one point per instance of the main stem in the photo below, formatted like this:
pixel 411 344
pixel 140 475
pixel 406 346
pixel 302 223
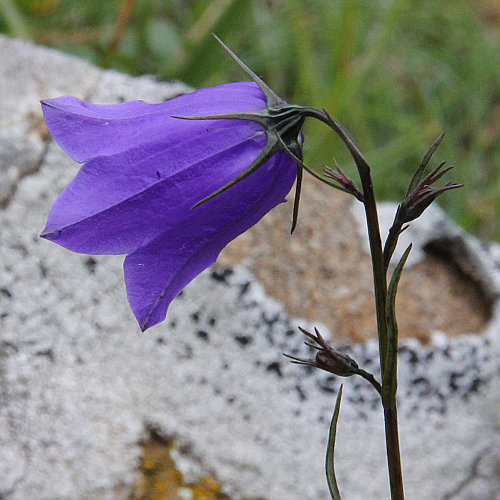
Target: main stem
pixel 380 286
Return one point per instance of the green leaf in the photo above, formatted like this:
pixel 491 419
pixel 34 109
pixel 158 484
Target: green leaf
pixel 330 470
pixel 392 327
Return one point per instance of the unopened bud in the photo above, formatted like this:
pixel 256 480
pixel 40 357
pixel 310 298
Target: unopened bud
pixel 326 358
pixel 336 363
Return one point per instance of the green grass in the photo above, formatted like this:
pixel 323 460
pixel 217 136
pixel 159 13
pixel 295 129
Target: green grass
pixel 395 72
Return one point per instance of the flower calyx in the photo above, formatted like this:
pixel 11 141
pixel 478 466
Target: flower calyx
pixel 282 123
pixel 421 194
pixel 326 358
pixel 344 183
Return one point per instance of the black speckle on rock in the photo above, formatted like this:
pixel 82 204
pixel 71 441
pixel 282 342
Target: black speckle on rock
pixel 43 270
pixel 244 288
pixel 367 361
pixel 290 332
pixel 160 340
pixel 221 275
pixel 452 381
pixel 423 384
pixel 212 321
pixel 6 292
pixel 22 249
pixel 3 315
pixel 269 336
pixel 243 340
pixel 446 352
pixel 7 348
pixel 301 393
pixel 269 320
pixel 230 399
pixel 188 352
pixel 475 384
pixel 202 334
pixel 173 323
pixel 195 317
pixel 49 353
pixel 90 264
pixel 356 398
pixel 411 355
pixel 328 384
pixel 275 367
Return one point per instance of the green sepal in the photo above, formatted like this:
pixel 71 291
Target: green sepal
pixel 417 177
pixel 329 465
pixel 268 151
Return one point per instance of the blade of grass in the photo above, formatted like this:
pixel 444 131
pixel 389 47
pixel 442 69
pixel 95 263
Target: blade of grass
pixel 205 57
pixel 329 465
pixel 15 21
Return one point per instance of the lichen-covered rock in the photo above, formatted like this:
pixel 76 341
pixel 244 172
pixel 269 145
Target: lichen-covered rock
pixel 79 383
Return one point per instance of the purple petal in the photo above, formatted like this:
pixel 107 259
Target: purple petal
pixel 118 203
pixel 85 130
pixel 157 272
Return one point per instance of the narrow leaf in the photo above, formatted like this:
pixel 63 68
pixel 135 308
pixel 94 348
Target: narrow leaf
pixel 330 470
pixel 392 326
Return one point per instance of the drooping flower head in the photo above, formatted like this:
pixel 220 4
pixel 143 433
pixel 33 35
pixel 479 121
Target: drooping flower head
pixel 167 192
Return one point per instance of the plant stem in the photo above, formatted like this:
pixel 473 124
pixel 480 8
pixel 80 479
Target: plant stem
pixel 393 452
pixel 379 267
pixel 380 286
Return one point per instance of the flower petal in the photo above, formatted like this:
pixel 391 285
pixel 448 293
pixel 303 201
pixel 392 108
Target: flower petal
pixel 85 130
pixel 157 272
pixel 117 203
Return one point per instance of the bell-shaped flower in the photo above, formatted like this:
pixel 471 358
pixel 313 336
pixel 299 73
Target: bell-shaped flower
pixel 145 168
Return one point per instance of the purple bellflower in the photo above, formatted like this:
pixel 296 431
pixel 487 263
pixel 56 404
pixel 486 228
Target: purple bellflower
pixel 169 184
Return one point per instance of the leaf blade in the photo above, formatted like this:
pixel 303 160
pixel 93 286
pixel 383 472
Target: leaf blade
pixel 329 465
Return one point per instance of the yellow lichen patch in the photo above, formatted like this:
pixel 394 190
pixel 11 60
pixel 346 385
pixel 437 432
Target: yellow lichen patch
pixel 161 480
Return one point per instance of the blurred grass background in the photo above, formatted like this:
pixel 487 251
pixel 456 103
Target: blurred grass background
pixel 395 72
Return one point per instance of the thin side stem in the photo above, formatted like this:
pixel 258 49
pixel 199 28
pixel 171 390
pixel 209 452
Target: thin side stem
pixel 370 378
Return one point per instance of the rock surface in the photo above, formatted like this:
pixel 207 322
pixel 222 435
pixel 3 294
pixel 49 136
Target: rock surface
pixel 79 383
